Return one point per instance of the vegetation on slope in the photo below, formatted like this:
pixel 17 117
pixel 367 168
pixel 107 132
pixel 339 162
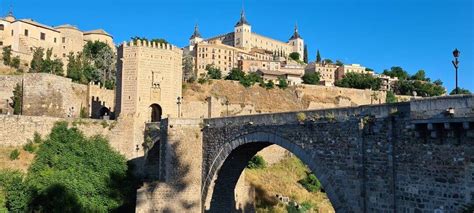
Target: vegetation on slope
pixel 70 173
pixel 283 178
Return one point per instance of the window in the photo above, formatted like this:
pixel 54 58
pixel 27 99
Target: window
pixel 2 27
pixel 1 43
pixel 43 36
pixel 64 40
pixel 54 40
pixel 12 32
pixel 26 32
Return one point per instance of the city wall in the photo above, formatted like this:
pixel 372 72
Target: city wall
pixel 54 96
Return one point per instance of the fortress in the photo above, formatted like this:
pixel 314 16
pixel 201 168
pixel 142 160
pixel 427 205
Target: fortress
pixel 182 141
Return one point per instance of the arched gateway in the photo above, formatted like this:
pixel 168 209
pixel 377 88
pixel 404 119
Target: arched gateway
pixel 406 157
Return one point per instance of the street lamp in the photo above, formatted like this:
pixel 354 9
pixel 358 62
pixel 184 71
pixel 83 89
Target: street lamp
pixel 180 101
pixel 456 65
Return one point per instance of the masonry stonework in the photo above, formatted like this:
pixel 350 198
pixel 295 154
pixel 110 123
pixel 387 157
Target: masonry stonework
pixel 407 157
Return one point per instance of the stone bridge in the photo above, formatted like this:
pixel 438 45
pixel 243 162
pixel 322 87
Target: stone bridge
pixel 407 157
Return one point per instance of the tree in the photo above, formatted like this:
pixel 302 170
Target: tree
pixel 305 56
pixel 74 173
pixel 424 89
pixel 397 72
pixel 188 69
pixel 15 62
pixel 438 82
pixel 311 78
pixel 17 99
pixel 339 63
pixel 328 61
pixel 7 55
pixel 213 72
pixel 390 97
pixel 235 74
pixel 36 64
pixel 318 57
pixel 359 81
pixel 369 69
pixel 461 91
pixel 51 66
pixel 420 76
pixel 295 56
pixel 250 79
pixel 269 85
pixel 282 83
pixel 102 58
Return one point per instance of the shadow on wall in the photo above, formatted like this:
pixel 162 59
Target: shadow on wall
pixel 99 109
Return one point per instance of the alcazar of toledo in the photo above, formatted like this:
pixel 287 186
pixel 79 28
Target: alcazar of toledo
pixel 149 81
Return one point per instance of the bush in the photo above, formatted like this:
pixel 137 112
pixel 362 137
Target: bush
pixel 84 113
pixel 310 183
pixel 250 79
pixel 37 138
pixel 391 98
pixel 295 56
pixel 304 207
pixel 15 62
pixel 15 154
pixel 73 173
pixel 311 78
pixel 235 75
pixel 15 191
pixel 301 117
pixel 213 72
pixel 29 147
pixel 282 83
pixel 268 85
pixel 257 162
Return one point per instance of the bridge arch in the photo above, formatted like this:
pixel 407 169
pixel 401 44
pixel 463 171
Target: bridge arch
pixel 231 160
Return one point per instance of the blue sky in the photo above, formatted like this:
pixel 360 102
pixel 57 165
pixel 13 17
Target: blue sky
pixel 413 34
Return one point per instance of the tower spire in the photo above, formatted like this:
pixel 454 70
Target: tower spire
pixel 296 34
pixel 196 33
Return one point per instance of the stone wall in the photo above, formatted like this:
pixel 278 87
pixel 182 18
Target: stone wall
pixel 55 96
pixel 180 170
pixel 16 130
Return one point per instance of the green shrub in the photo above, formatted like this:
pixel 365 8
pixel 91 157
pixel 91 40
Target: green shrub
pixel 301 117
pixel 16 195
pixel 250 79
pixel 311 78
pixel 282 83
pixel 15 154
pixel 37 138
pixel 213 72
pixel 295 56
pixel 269 85
pixel 29 147
pixel 235 75
pixel 256 162
pixel 390 97
pixel 310 183
pixel 104 124
pixel 304 207
pixel 74 173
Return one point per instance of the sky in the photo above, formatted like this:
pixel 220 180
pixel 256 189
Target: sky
pixel 413 34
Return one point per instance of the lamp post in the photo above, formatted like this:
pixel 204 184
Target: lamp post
pixel 456 65
pixel 180 101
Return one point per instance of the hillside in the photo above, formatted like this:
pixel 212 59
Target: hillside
pixel 282 178
pixel 299 97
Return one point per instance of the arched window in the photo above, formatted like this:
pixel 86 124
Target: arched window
pixel 2 27
pixel 156 113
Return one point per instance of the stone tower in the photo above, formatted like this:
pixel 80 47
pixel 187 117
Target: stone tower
pixel 148 85
pixel 242 32
pixel 195 38
pixel 297 42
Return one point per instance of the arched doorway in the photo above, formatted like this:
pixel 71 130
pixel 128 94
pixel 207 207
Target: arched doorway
pixel 103 112
pixel 156 113
pixel 219 184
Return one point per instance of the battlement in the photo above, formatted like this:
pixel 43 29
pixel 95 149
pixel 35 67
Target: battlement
pixel 154 45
